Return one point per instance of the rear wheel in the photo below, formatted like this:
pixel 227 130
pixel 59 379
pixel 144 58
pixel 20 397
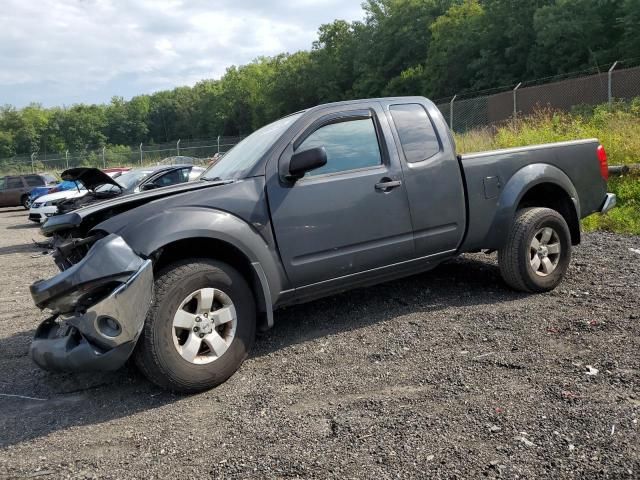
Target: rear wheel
pixel 200 326
pixel 538 251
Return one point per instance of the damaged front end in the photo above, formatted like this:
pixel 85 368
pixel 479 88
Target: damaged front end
pixel 99 301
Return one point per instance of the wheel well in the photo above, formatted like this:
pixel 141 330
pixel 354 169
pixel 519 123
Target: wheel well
pixel 218 250
pixel 552 196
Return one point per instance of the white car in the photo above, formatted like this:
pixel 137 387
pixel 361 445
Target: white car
pixel 45 206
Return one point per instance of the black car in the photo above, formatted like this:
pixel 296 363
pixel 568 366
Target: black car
pixel 101 186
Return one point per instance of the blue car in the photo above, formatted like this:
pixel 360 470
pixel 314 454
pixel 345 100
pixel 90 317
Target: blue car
pixel 60 187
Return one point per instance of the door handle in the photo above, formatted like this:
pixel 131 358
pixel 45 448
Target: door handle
pixel 387 184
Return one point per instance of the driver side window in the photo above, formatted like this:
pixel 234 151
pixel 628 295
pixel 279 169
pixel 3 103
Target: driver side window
pixel 14 182
pixel 350 145
pixel 173 177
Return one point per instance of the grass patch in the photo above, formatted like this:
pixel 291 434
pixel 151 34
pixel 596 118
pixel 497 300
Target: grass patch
pixel 618 129
pixel 625 217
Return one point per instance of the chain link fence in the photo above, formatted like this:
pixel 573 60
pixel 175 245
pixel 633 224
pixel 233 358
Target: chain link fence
pixel 481 109
pixel 198 152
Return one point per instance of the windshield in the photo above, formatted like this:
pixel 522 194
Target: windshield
pixel 49 179
pixel 127 181
pixel 239 160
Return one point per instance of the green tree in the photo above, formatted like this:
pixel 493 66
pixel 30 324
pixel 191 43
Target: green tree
pixel 400 47
pixel 162 117
pixel 505 41
pixel 455 42
pixel 6 145
pixel 81 127
pixel 126 121
pixel 573 35
pixel 399 37
pixel 333 59
pixel 630 24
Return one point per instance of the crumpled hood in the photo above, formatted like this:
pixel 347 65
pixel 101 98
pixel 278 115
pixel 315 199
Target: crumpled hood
pixel 91 178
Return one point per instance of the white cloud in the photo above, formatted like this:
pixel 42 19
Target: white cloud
pixel 69 51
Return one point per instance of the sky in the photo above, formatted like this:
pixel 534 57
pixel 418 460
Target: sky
pixel 61 52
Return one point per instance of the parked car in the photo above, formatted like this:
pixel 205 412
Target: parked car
pixel 177 160
pixel 115 172
pixel 59 187
pixel 69 185
pixel 15 189
pixel 331 198
pixel 102 186
pixel 46 206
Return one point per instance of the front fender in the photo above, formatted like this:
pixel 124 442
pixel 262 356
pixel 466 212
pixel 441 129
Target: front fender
pixel 147 235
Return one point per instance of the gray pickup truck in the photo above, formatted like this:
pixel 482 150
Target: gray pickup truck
pixel 324 200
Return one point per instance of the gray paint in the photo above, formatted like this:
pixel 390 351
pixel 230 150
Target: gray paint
pixel 95 348
pixel 328 233
pixel 110 259
pixel 332 225
pixel 235 213
pixel 572 166
pixel 435 190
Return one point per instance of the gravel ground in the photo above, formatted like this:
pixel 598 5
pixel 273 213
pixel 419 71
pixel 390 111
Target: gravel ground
pixel 443 375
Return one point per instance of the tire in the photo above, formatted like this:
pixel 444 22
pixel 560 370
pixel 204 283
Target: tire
pixel 158 353
pixel 24 201
pixel 530 266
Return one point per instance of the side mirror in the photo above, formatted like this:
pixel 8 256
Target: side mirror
pixel 149 186
pixel 302 162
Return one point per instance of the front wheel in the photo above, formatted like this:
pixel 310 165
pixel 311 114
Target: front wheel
pixel 199 328
pixel 25 202
pixel 538 250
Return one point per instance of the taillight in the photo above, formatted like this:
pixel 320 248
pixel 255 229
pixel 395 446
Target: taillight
pixel 604 167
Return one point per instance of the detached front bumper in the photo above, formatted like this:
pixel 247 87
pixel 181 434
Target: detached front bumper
pixel 609 203
pixel 100 305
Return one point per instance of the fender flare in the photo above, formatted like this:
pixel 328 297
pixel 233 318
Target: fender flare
pixel 183 223
pixel 517 187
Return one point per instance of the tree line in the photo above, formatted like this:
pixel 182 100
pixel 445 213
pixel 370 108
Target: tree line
pixel 434 48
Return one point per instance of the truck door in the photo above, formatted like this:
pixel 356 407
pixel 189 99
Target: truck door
pixel 432 177
pixel 349 216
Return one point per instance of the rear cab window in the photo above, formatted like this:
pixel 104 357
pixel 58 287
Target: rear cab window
pixel 418 137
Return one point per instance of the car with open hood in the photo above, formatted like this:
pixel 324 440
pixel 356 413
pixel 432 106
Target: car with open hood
pixel 38 192
pixel 102 186
pixel 46 206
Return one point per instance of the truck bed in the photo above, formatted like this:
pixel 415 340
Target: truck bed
pixel 496 178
